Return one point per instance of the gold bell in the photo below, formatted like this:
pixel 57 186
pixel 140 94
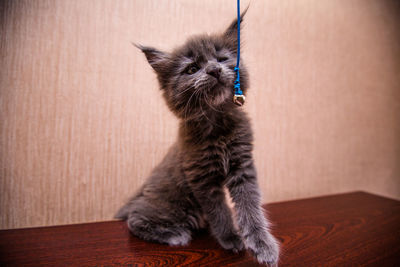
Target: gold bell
pixel 239 99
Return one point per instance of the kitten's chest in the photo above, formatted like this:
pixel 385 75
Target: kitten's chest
pixel 213 157
pixel 223 157
pixel 218 154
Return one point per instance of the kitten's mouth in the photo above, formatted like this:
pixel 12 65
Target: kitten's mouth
pixel 217 92
pixel 217 83
pixel 221 83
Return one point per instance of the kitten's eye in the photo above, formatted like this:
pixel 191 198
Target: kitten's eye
pixel 222 59
pixel 192 69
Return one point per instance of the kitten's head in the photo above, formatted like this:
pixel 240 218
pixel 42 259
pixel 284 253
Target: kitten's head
pixel 199 76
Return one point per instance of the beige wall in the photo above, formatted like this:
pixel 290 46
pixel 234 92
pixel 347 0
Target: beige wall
pixel 82 121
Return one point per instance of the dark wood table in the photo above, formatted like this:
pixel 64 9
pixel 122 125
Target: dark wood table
pixel 354 229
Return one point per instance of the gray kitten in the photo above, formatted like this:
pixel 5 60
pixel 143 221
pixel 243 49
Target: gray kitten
pixel 185 192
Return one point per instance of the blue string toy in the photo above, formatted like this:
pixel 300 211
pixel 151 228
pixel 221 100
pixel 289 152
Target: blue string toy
pixel 238 97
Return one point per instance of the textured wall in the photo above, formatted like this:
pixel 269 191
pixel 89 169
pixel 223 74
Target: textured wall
pixel 82 121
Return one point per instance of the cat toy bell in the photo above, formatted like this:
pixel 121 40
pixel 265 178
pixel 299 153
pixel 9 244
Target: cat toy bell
pixel 238 97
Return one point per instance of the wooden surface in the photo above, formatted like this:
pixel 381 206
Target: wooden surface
pixel 82 121
pixel 356 229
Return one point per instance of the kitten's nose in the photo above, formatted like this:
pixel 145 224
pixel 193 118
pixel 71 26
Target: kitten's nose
pixel 214 71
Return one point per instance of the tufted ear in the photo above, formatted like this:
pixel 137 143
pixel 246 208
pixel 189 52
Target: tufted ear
pixel 230 33
pixel 157 59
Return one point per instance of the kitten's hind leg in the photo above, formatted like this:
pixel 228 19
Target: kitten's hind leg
pixel 159 230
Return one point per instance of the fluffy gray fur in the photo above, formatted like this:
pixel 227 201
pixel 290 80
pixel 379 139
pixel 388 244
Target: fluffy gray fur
pixel 213 150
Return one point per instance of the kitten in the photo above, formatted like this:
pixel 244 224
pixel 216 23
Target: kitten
pixel 185 191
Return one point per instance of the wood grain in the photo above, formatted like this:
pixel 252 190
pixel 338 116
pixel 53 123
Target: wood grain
pixel 82 121
pixel 355 229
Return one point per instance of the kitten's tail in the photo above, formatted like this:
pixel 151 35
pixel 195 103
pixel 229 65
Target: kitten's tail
pixel 123 212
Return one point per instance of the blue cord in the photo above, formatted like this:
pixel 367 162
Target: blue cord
pixel 237 81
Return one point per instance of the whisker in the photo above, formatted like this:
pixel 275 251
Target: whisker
pixel 187 104
pixel 206 99
pixel 184 91
pixel 205 115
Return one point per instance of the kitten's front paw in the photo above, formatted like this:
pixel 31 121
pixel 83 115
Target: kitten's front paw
pixel 266 249
pixel 232 242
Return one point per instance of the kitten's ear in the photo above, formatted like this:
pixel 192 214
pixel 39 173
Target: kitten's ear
pixel 157 59
pixel 230 34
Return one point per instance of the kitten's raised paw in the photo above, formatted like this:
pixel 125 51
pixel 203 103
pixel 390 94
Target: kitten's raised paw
pixel 232 242
pixel 266 249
